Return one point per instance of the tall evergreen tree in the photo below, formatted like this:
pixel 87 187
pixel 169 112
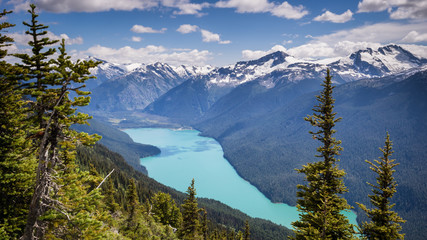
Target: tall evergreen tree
pixel 17 162
pixel 190 215
pixel 132 205
pixel 204 224
pixel 247 235
pixel 385 223
pixel 109 198
pixel 319 202
pixel 49 83
pixel 165 210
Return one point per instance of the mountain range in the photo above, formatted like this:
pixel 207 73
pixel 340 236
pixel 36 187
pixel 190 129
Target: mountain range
pixel 255 109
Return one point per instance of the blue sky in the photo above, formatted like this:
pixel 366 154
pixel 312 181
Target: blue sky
pixel 221 32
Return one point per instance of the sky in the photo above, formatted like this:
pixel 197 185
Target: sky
pixel 222 32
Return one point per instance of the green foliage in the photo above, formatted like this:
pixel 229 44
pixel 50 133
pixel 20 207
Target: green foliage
pixel 385 223
pixel 47 82
pixel 247 233
pixel 17 163
pixel 190 215
pixel 219 218
pixel 165 211
pixel 79 213
pixel 320 203
pixel 109 198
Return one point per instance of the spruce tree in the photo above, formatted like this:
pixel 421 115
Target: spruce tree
pixel 109 198
pixel 190 215
pixel 247 231
pixel 204 224
pixel 17 162
pixel 132 206
pixel 165 211
pixel 320 202
pixel 385 223
pixel 49 83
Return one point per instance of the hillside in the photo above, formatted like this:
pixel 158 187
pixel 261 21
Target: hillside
pixel 220 216
pixel 267 148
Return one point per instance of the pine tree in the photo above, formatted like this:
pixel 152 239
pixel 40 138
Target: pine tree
pixel 81 214
pixel 165 210
pixel 190 215
pixel 17 164
pixel 385 223
pixel 319 202
pixel 132 205
pixel 49 83
pixel 247 231
pixel 109 198
pixel 204 224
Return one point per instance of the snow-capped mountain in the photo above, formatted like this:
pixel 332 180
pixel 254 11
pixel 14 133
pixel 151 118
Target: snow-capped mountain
pixel 127 87
pixel 371 63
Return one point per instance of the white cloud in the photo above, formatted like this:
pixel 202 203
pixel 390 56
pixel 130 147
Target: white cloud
pixel 414 36
pixel 141 29
pixel 65 6
pixel 209 36
pixel 314 50
pixel 380 32
pixel 190 8
pixel 346 48
pixel 336 18
pixel 149 54
pixel 288 11
pixel 22 39
pixel 136 39
pixel 244 6
pixel 284 10
pixel 187 28
pixel 212 37
pixel 373 5
pixel 250 54
pixel 417 50
pixel 398 9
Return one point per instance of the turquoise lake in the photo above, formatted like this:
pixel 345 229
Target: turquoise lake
pixel 186 155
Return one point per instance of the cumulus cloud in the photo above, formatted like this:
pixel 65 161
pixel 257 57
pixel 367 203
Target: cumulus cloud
pixel 417 50
pixel 22 39
pixel 212 37
pixel 284 10
pixel 207 36
pixel 398 9
pixel 141 29
pixel 190 8
pixel 414 37
pixel 65 6
pixel 187 28
pixel 314 50
pixel 255 54
pixel 244 6
pixel 380 32
pixel 335 18
pixel 136 39
pixel 149 54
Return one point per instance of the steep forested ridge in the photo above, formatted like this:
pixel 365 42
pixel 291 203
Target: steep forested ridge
pixel 221 217
pixel 278 142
